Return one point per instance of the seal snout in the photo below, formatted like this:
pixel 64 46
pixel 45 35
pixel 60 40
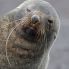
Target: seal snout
pixel 35 19
pixel 29 29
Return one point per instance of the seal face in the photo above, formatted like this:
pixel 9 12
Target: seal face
pixel 28 36
pixel 28 33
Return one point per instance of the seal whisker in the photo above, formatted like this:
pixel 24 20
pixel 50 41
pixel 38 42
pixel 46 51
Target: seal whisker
pixel 7 43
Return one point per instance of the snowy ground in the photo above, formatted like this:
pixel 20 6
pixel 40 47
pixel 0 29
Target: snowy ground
pixel 59 56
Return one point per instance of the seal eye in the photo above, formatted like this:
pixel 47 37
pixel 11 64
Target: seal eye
pixel 50 21
pixel 35 19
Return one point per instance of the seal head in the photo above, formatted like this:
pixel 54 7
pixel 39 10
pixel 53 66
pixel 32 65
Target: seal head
pixel 32 35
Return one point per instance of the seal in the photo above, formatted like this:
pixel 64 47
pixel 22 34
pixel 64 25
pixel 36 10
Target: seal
pixel 27 34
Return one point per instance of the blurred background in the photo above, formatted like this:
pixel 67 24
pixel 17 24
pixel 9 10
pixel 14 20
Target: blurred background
pixel 59 55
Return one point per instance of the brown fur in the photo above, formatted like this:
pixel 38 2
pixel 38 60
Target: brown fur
pixel 16 49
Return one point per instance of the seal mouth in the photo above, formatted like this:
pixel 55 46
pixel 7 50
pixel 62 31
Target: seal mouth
pixel 29 33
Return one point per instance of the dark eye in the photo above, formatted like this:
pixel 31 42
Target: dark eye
pixel 50 24
pixel 50 21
